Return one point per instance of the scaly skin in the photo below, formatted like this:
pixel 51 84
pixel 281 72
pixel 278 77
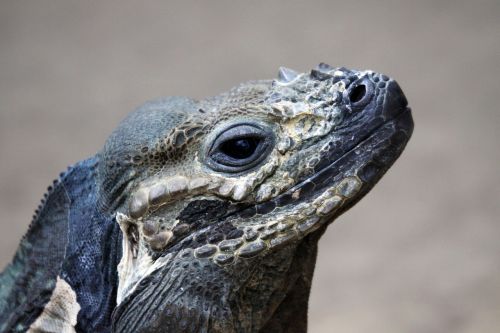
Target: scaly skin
pixel 220 203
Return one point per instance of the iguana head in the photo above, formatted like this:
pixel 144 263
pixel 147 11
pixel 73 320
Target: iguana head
pixel 221 201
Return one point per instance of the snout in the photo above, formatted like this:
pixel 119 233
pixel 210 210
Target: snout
pixel 395 101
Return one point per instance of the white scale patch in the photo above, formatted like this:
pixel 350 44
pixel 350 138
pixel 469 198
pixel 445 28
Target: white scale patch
pixel 59 314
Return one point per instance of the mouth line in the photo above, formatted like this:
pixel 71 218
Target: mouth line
pixel 359 143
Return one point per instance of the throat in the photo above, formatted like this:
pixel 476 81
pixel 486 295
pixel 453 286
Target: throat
pixel 291 313
pixel 262 294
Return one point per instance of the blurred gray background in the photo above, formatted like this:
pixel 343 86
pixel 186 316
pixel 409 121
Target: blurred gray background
pixel 421 253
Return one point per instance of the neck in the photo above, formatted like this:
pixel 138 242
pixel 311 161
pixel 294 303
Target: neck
pixel 263 294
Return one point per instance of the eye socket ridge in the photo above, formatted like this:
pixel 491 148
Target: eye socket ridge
pixel 240 148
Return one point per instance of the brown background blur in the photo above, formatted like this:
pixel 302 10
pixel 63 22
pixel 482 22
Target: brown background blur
pixel 421 253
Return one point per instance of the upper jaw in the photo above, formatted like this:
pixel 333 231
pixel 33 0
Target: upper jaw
pixel 348 171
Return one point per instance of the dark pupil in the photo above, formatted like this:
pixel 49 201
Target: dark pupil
pixel 357 93
pixel 240 148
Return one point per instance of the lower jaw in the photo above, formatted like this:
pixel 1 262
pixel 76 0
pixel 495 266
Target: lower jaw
pixel 362 166
pixel 317 201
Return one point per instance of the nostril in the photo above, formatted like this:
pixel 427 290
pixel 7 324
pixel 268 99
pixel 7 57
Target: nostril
pixel 357 93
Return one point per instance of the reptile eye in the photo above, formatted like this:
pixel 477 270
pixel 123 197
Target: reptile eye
pixel 359 93
pixel 240 148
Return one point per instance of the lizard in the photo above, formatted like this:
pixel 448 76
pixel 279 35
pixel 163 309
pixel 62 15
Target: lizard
pixel 205 215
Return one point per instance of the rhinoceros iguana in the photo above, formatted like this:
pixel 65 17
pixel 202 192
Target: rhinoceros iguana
pixel 204 216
